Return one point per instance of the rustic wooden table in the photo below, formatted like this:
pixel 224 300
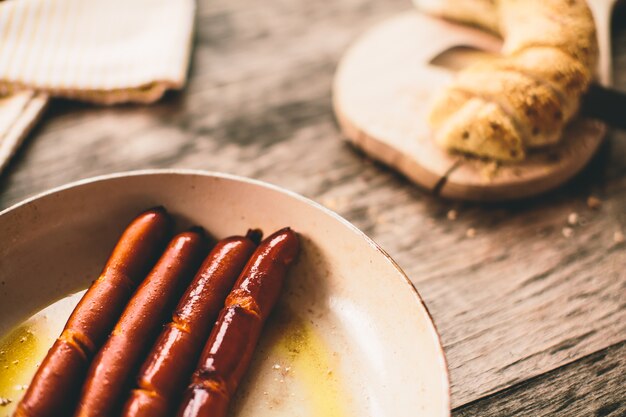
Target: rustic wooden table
pixel 531 308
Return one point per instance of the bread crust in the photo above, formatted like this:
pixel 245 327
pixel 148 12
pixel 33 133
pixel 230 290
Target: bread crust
pixel 479 124
pixel 566 76
pixel 530 105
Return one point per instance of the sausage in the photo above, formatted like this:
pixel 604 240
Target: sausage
pixel 57 381
pixel 169 365
pixel 113 367
pixel 228 351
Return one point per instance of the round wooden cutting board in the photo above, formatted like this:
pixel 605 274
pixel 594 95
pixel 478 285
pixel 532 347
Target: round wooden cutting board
pixel 382 94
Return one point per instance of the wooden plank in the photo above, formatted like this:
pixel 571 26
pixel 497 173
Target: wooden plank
pixel 515 301
pixel 593 385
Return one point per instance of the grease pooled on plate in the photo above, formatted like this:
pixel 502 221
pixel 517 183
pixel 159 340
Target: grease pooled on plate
pixel 23 349
pixel 294 371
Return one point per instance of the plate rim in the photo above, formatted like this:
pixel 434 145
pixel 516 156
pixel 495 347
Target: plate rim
pixel 222 175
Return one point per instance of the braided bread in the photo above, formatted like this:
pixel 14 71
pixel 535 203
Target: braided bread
pixel 531 92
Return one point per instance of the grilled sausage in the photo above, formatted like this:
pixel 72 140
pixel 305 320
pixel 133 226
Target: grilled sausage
pixel 169 365
pixel 57 381
pixel 112 369
pixel 228 351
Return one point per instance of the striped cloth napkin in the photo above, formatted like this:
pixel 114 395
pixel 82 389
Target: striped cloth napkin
pixel 101 51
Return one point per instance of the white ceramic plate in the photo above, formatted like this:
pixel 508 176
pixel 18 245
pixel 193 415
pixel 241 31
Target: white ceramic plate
pixel 351 336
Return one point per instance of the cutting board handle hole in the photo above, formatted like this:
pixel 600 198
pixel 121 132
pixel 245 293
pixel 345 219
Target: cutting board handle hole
pixel 457 57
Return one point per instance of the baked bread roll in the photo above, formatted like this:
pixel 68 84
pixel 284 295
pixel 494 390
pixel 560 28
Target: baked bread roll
pixel 549 53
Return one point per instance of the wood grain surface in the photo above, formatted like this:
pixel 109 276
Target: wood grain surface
pixel 529 297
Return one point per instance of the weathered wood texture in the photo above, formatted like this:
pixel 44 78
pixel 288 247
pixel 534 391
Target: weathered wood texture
pixel 526 295
pixel 592 386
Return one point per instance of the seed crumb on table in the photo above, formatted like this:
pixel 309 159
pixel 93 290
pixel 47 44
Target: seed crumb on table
pixel 593 203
